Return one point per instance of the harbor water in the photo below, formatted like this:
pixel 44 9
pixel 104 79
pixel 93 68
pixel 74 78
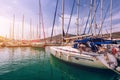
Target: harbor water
pixel 28 63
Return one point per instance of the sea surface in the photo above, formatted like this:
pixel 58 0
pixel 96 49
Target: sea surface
pixel 28 63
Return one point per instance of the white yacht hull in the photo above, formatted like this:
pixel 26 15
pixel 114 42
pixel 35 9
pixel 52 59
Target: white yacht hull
pixel 72 55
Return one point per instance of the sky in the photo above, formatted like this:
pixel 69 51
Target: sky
pixel 30 10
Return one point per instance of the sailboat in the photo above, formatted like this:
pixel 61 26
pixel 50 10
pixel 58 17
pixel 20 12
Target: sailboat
pixel 40 43
pixel 84 55
pixel 86 52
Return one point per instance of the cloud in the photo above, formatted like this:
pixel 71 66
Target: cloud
pixel 30 10
pixel 116 28
pixel 72 28
pixel 114 17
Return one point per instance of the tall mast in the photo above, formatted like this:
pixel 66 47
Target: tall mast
pixel 39 20
pixel 95 25
pixel 33 33
pixel 78 12
pixel 91 16
pixel 17 36
pixel 10 34
pixel 13 27
pixel 37 32
pixel 42 21
pixel 30 29
pixel 62 20
pixel 101 15
pixel 110 19
pixel 23 27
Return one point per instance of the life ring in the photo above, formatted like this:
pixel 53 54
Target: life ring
pixel 114 51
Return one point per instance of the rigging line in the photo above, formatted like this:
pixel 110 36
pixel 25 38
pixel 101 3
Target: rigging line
pixel 42 21
pixel 94 15
pixel 89 17
pixel 104 19
pixel 70 17
pixel 86 22
pixel 54 19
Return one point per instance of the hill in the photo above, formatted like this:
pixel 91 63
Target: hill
pixel 115 35
pixel 58 38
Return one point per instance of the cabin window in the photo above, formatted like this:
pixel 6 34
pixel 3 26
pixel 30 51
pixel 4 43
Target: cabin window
pixel 76 58
pixel 75 45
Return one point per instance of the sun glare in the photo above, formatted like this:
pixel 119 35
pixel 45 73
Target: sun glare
pixel 4 26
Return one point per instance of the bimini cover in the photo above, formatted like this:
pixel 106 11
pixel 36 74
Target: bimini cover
pixel 95 40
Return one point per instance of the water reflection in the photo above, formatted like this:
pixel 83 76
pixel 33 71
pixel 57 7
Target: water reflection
pixel 15 58
pixel 35 64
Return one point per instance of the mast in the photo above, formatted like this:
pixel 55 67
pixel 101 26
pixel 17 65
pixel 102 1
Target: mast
pixel 78 12
pixel 110 19
pixel 101 16
pixel 30 29
pixel 37 32
pixel 10 34
pixel 17 36
pixel 95 25
pixel 62 20
pixel 23 27
pixel 39 24
pixel 13 27
pixel 33 33
pixel 54 20
pixel 91 15
pixel 18 33
pixel 42 21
